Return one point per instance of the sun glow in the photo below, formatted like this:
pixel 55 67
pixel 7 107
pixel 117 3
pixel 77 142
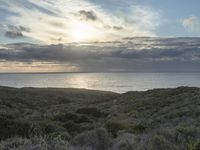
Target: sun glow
pixel 83 31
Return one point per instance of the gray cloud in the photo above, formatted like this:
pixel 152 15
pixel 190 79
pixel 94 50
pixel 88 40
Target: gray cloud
pixel 57 24
pixel 88 15
pixel 118 28
pixel 15 31
pixel 163 54
pixel 18 28
pixel 13 34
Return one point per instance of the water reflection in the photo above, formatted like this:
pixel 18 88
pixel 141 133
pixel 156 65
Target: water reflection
pixel 118 82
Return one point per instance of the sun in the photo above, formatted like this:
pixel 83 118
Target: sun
pixel 83 32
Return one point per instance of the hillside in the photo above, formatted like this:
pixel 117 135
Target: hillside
pixel 79 119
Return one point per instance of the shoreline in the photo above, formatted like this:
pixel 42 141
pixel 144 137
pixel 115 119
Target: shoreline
pixel 90 89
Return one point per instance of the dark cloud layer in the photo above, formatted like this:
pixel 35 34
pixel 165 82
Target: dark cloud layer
pixel 138 54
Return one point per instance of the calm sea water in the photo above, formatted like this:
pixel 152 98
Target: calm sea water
pixel 117 82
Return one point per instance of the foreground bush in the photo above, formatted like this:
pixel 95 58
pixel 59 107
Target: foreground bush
pixel 11 128
pixel 36 143
pixel 100 139
pixel 37 119
pixel 97 139
pixel 92 140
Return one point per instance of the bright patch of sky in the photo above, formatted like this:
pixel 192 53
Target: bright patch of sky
pixel 66 21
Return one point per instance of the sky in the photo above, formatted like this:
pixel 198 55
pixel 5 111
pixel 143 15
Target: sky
pixel 99 35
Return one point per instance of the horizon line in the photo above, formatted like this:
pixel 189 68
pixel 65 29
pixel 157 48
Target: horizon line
pixel 100 72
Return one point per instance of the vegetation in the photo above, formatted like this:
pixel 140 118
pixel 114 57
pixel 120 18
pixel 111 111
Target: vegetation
pixel 78 119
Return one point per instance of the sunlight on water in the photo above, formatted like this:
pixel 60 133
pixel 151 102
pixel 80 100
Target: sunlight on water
pixel 117 82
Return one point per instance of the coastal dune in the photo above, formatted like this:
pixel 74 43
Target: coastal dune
pixel 80 119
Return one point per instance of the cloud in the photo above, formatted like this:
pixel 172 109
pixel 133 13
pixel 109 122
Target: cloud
pixel 13 34
pixel 88 15
pixel 146 18
pixel 15 31
pixel 138 54
pixel 118 28
pixel 192 23
pixel 48 17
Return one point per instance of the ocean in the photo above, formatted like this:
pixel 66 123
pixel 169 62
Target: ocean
pixel 116 82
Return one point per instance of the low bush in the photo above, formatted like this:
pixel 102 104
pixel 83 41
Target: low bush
pixel 136 128
pixel 4 115
pixel 73 117
pixel 92 111
pixel 72 127
pixel 34 143
pixel 124 141
pixel 97 139
pixel 10 128
pixel 158 142
pixel 62 100
pixel 185 134
pixel 45 128
pixel 114 127
pixel 193 145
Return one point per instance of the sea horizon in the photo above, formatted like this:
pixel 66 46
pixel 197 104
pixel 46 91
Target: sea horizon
pixel 111 81
pixel 54 72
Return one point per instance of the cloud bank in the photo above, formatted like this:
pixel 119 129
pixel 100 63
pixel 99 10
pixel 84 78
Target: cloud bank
pixel 129 54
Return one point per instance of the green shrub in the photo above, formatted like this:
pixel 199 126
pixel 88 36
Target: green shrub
pixel 114 127
pixel 72 127
pixel 62 100
pixel 87 126
pixel 7 115
pixel 60 135
pixel 136 128
pixel 45 128
pixel 158 142
pixel 91 111
pixel 185 134
pixel 124 141
pixel 73 117
pixel 97 139
pixel 35 143
pixel 10 128
pixel 194 145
